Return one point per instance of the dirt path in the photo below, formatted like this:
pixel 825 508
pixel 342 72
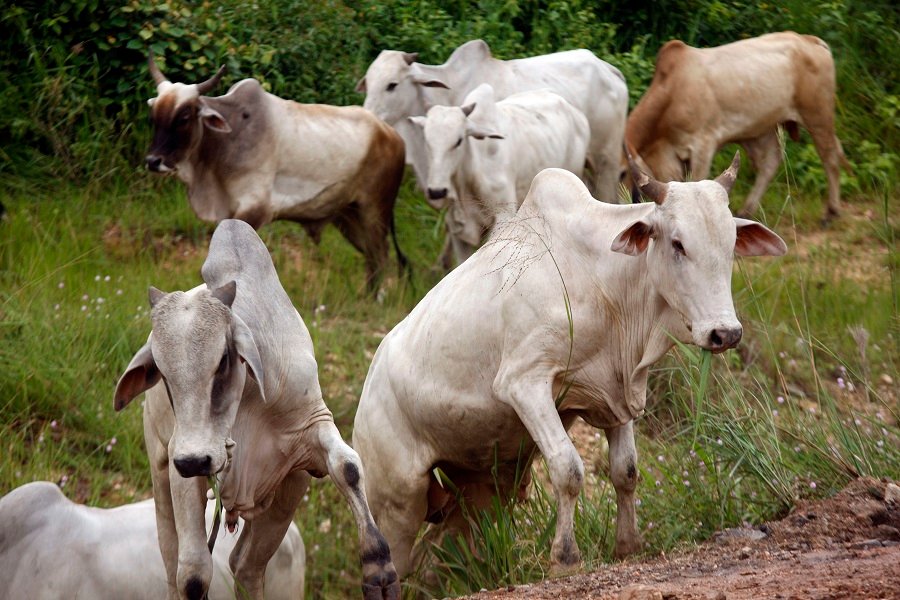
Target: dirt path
pixel 843 547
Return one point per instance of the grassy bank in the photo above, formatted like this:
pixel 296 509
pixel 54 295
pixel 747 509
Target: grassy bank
pixel 808 402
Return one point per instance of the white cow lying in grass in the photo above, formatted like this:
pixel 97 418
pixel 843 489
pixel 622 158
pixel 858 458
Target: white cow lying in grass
pixel 483 155
pixel 52 548
pixel 559 315
pixel 233 392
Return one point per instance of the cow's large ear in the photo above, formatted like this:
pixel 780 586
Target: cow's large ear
pixel 248 352
pixel 213 120
pixel 755 239
pixel 361 85
pixel 429 82
pixel 417 120
pixel 226 293
pixel 140 375
pixel 479 133
pixel 634 239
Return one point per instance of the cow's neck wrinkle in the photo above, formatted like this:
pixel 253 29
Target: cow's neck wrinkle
pixel 636 310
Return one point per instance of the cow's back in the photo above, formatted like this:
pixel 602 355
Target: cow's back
pixel 543 130
pixel 732 92
pixel 51 547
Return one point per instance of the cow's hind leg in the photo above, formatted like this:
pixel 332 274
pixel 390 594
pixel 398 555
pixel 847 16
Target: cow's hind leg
pixel 829 148
pixel 623 472
pixel 765 154
pixel 367 232
pixel 380 579
pixel 262 536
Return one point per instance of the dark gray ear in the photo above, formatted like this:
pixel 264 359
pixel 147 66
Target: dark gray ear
pixel 155 296
pixel 140 375
pixel 226 293
pixel 248 352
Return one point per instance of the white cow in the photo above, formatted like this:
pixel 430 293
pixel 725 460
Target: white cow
pixel 52 548
pixel 396 87
pixel 233 392
pixel 483 155
pixel 486 369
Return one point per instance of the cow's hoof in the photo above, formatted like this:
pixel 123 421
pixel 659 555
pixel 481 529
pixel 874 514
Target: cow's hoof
pixel 390 591
pixel 565 558
pixel 625 549
pixel 828 219
pixel 558 569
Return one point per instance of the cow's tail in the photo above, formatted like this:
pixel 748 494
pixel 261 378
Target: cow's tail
pixel 403 266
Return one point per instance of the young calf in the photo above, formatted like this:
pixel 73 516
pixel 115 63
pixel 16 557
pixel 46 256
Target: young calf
pixel 483 155
pixel 54 548
pixel 233 392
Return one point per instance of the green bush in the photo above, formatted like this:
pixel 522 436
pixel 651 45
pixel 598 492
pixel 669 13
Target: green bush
pixel 74 77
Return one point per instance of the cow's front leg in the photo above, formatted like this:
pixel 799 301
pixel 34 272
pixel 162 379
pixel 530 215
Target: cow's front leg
pixel 623 472
pixel 194 561
pixel 165 518
pixel 380 581
pixel 532 400
pixel 261 537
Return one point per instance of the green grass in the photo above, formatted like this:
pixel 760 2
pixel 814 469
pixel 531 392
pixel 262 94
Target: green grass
pixel 75 264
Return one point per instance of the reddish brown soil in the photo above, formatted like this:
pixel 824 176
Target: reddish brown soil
pixel 847 546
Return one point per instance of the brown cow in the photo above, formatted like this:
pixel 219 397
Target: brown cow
pixel 703 98
pixel 253 156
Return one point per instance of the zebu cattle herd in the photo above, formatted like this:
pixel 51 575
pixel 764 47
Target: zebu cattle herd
pixel 560 303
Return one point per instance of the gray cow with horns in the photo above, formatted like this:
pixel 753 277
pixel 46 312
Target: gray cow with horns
pixel 233 392
pixel 253 156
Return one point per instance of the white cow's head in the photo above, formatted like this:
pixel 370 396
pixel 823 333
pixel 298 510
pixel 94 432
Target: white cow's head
pixel 447 131
pixel 393 86
pixel 203 352
pixel 690 240
pixel 179 115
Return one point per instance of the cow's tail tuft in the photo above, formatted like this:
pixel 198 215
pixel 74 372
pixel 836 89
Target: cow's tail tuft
pixel 404 268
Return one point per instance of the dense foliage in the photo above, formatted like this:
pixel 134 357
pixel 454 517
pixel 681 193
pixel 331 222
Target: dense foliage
pixel 74 79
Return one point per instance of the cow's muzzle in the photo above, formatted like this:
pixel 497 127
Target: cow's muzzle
pixel 194 466
pixel 723 338
pixel 437 194
pixel 155 163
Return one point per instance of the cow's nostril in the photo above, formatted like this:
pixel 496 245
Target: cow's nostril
pixel 437 194
pixel 153 162
pixel 723 339
pixel 193 466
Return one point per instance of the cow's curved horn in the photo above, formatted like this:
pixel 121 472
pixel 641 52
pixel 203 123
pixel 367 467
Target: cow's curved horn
pixel 410 57
pixel 212 82
pixel 158 77
pixel 726 179
pixel 651 188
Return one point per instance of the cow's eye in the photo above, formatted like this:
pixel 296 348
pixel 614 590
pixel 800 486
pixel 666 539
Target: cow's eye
pixel 458 143
pixel 679 248
pixel 223 364
pixel 390 87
